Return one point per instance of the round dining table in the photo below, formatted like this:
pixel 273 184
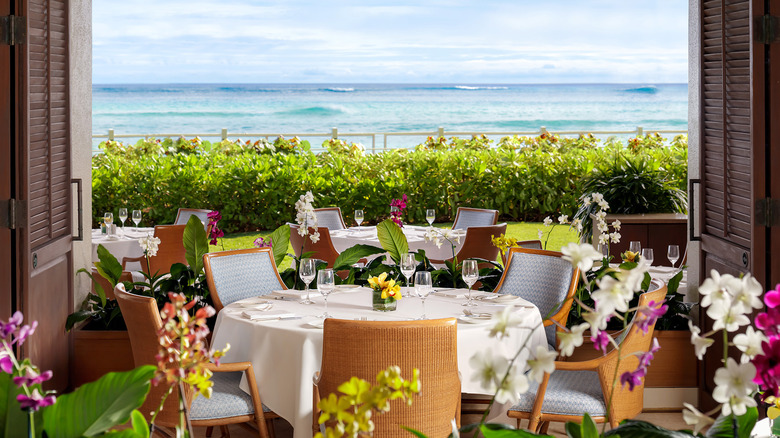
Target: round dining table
pixel 122 244
pixel 283 338
pixel 415 236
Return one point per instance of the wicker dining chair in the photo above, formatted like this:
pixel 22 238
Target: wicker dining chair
pixel 478 244
pixel 543 278
pixel 578 387
pixel 184 215
pixel 228 403
pixel 364 348
pixel 239 274
pixel 474 217
pixel 323 249
pixel 330 217
pixel 170 251
pixel 529 244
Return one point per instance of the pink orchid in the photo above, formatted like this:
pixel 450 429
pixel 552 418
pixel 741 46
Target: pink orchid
pixel 35 400
pixel 651 313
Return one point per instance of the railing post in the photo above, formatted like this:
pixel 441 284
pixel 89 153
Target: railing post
pixel 373 143
pixel 441 132
pixel 542 130
pixel 224 134
pixel 111 134
pixel 639 131
pixel 385 145
pixel 334 133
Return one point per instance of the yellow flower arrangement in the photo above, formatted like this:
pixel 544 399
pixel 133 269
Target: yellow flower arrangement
pixel 389 288
pixel 630 256
pixel 503 243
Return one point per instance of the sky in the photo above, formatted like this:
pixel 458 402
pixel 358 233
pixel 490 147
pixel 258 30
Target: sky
pixel 383 41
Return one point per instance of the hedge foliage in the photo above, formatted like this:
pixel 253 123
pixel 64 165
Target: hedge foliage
pixel 255 184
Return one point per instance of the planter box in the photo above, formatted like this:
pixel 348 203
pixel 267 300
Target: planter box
pixel 654 230
pixel 97 352
pixel 674 366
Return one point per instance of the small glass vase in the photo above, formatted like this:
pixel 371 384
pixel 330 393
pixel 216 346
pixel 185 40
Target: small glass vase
pixel 383 305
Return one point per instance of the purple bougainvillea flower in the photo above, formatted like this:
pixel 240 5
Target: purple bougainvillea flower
pixel 772 297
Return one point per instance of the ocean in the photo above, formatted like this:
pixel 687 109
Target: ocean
pixel 361 108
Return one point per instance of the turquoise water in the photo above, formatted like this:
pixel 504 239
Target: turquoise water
pixel 316 108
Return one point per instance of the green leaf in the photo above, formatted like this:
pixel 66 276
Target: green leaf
pixel 392 239
pixel 350 256
pixel 416 433
pixel 109 268
pixel 491 431
pixel 643 429
pixel 13 421
pixel 280 239
pixel 196 244
pixel 140 428
pixel 725 426
pixel 94 408
pixel 589 429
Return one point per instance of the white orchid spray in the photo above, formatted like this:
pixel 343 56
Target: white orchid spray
pixel 150 245
pixel 595 199
pixel 306 217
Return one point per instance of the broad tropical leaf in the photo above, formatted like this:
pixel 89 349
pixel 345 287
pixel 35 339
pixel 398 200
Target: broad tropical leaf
pixel 109 268
pixel 725 426
pixel 392 239
pixel 350 256
pixel 280 240
pixel 643 429
pixel 140 428
pixel 196 244
pixel 13 421
pixel 94 408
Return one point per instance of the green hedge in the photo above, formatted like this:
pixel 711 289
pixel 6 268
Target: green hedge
pixel 255 187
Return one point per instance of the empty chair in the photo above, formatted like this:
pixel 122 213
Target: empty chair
pixel 228 403
pixel 474 217
pixel 184 215
pixel 323 249
pixel 330 217
pixel 530 244
pixel 478 244
pixel 543 278
pixel 578 387
pixel 363 348
pixel 239 274
pixel 170 251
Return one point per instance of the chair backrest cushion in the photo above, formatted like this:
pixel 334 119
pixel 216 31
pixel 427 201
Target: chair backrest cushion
pixel 474 217
pixel 184 215
pixel 330 218
pixel 477 243
pixel 241 274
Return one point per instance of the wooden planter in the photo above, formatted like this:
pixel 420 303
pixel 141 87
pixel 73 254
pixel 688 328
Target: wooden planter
pixel 654 230
pixel 674 365
pixel 96 353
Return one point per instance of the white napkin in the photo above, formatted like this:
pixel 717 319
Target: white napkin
pixel 292 294
pixel 261 315
pixel 453 293
pixel 258 306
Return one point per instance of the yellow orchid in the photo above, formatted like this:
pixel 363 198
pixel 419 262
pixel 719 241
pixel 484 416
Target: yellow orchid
pixel 503 243
pixel 389 288
pixel 630 256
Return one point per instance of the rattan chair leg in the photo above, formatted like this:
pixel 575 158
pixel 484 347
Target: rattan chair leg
pixel 545 426
pixel 209 431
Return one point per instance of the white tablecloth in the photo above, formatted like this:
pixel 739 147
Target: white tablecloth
pixel 286 353
pixel 415 236
pixel 122 245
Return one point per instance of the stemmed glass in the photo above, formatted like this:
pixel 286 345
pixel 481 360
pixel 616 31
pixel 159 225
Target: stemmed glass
pixel 408 266
pixel 108 219
pixel 325 284
pixel 430 215
pixel 359 217
pixel 123 218
pixel 647 254
pixel 673 254
pixel 307 273
pixel 136 218
pixel 635 246
pixel 423 287
pixel 470 273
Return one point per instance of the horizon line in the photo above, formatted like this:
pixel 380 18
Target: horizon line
pixel 647 84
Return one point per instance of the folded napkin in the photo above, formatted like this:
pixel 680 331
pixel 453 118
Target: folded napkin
pixel 454 293
pixel 261 315
pixel 291 294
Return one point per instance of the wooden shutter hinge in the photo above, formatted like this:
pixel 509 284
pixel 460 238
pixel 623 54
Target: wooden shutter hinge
pixel 13 214
pixel 768 29
pixel 13 30
pixel 768 212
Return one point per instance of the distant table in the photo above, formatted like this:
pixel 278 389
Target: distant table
pixel 121 245
pixel 415 236
pixel 286 353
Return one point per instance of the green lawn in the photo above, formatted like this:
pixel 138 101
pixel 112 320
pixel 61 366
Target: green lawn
pixel 560 236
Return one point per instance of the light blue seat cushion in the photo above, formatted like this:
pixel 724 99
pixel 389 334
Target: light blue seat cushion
pixel 331 219
pixel 470 218
pixel 541 279
pixel 241 276
pixel 568 393
pixel 227 399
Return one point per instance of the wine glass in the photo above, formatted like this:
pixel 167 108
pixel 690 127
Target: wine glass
pixel 359 217
pixel 673 254
pixel 108 219
pixel 307 273
pixel 423 287
pixel 408 266
pixel 430 215
pixel 123 218
pixel 325 284
pixel 136 218
pixel 635 246
pixel 647 254
pixel 470 273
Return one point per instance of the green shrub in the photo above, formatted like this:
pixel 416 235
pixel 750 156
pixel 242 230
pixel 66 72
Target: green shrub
pixel 255 184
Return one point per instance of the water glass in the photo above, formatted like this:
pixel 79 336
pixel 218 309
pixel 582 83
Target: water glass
pixel 430 216
pixel 136 218
pixel 325 285
pixel 470 272
pixel 359 217
pixel 408 266
pixel 108 218
pixel 647 254
pixel 635 246
pixel 123 218
pixel 673 254
pixel 307 272
pixel 423 287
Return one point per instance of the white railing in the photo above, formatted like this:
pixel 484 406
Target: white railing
pixel 224 135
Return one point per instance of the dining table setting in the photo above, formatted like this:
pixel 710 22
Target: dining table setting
pixel 415 236
pixel 282 337
pixel 122 243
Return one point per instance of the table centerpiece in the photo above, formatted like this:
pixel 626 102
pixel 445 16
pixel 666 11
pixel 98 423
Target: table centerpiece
pixel 385 293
